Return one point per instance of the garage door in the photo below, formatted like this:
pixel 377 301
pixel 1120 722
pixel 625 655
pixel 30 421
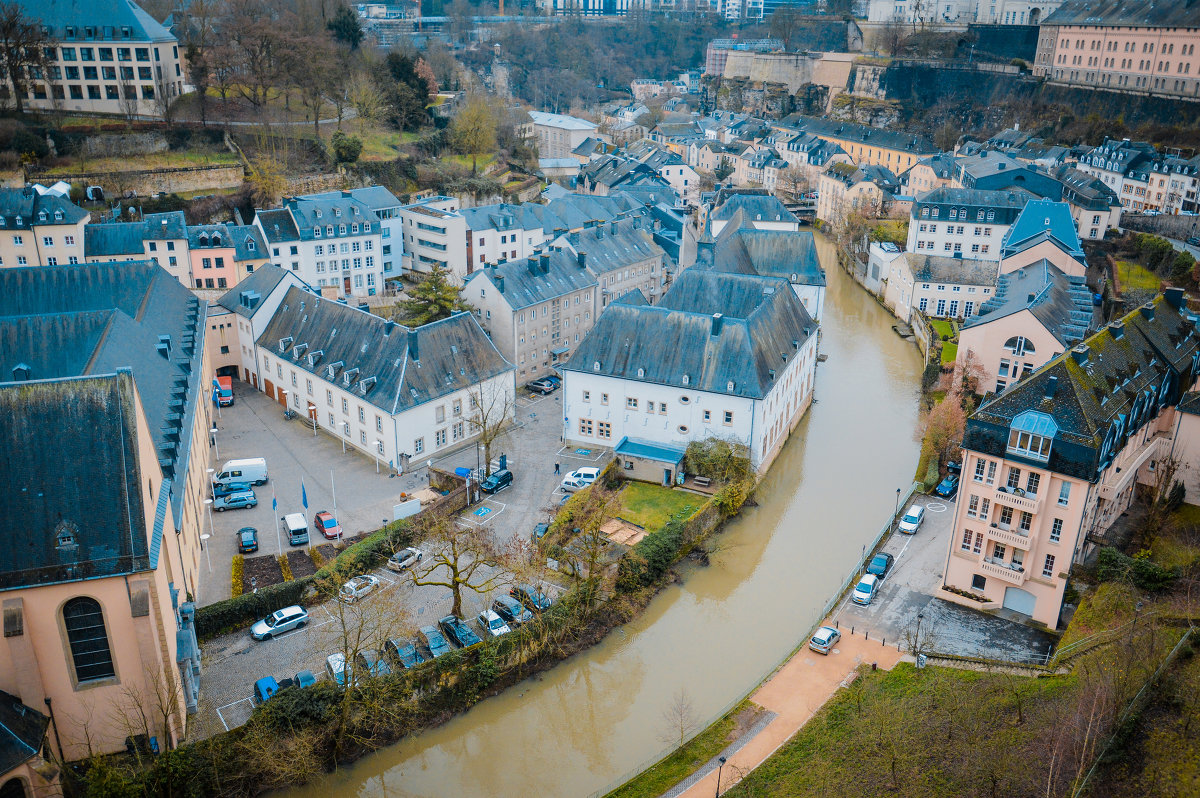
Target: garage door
pixel 1019 600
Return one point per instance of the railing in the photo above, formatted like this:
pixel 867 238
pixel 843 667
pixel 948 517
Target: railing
pixel 1011 537
pixel 1125 469
pixel 1006 496
pixel 1003 573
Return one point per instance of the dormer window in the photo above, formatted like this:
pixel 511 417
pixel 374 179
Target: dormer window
pixel 337 211
pixel 317 213
pixel 354 229
pixel 250 244
pixel 41 216
pixel 596 366
pixel 58 216
pixel 1031 435
pixel 366 227
pixel 18 221
pixel 686 379
pixel 354 210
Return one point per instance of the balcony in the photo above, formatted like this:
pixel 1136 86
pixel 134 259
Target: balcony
pixel 1125 467
pixel 1002 572
pixel 1017 498
pixel 1009 537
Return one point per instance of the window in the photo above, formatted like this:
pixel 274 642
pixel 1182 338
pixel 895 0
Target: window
pixel 998 550
pixel 979 466
pixel 458 431
pixel 1031 484
pixel 329 398
pixel 1014 478
pixel 439 438
pixel 585 426
pixel 603 429
pixel 457 409
pixel 1048 567
pixel 707 416
pixel 440 414
pixel 418 445
pixel 1064 494
pixel 973 506
pixel 728 417
pixel 90 654
pixel 603 398
pixel 1026 521
pixel 631 403
pixel 587 396
pixel 362 416
pixel 978 545
pixel 1006 514
pixel 968 536
pixel 977 582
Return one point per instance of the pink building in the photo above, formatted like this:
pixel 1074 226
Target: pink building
pixel 213 257
pixel 1055 458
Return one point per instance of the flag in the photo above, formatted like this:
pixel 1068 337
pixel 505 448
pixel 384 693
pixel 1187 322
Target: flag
pixel 274 504
pixel 303 495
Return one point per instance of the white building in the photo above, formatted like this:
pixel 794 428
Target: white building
pixel 721 355
pixel 240 316
pixel 386 208
pixel 395 393
pixel 938 286
pixel 961 12
pixel 963 222
pixel 328 242
pixel 556 135
pixel 435 235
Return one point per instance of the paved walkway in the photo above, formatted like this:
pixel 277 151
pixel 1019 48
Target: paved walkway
pixel 793 694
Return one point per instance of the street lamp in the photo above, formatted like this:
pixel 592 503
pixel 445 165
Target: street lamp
pixel 720 764
pixel 208 502
pixel 312 415
pixel 896 511
pixel 378 449
pixel 917 639
pixel 207 552
pixel 216 449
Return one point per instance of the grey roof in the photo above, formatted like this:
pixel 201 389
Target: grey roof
pixel 614 170
pixel 1126 14
pixel 754 203
pixel 1006 204
pixel 1101 392
pixel 849 131
pixel 851 175
pixel 611 246
pixel 208 236
pixel 762 326
pixel 1084 190
pixel 277 226
pixel 552 274
pixel 106 18
pixel 248 242
pixel 22 208
pixel 569 212
pixel 1062 304
pixel 310 212
pixel 245 297
pixel 1039 220
pixel 377 198
pixel 113 239
pixel 163 226
pixel 741 249
pixel 955 271
pixel 394 368
pixel 22 732
pixel 943 165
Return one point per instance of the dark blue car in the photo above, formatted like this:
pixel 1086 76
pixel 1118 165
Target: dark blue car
pixel 947 487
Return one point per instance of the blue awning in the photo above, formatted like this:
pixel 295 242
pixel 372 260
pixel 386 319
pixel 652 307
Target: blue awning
pixel 650 450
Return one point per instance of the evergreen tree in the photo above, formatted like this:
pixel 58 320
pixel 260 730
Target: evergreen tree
pixel 346 28
pixel 433 299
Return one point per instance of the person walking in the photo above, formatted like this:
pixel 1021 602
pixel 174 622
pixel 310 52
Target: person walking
pixel 556 467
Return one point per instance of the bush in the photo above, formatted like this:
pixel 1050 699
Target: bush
pixel 237 570
pixel 650 557
pixel 296 707
pixel 285 567
pixel 717 458
pixel 346 149
pixel 233 613
pixel 1140 571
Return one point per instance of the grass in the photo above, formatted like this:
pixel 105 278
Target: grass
pixel 894 230
pixel 943 328
pixel 652 506
pixel 1188 515
pixel 158 160
pixel 482 160
pixel 949 352
pixel 685 761
pixel 1133 277
pixel 379 144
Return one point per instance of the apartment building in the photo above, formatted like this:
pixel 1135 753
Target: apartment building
pixel 845 188
pixel 727 355
pixel 213 257
pixel 158 237
pixel 938 171
pixel 961 12
pixel 40 228
pixel 1056 459
pixel 1133 46
pixel 622 255
pixel 240 316
pixel 759 208
pixel 866 145
pixel 962 222
pixel 104 391
pixel 386 208
pixel 556 135
pixel 939 286
pixel 103 57
pixel 332 241
pixel 1043 230
pixel 1095 207
pixel 434 235
pixel 535 310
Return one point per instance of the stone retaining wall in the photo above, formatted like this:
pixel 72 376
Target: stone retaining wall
pixel 147 182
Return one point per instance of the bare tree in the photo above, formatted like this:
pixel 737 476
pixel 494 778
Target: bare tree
pixel 129 98
pixel 366 99
pixel 22 50
pixel 492 410
pixel 459 557
pixel 794 180
pixel 892 36
pixel 680 718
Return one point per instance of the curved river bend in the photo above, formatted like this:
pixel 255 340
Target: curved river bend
pixel 594 720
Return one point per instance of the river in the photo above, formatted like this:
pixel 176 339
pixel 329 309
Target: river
pixel 597 718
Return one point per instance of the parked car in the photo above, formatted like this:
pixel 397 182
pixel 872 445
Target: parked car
pixel 405 558
pixel 492 624
pixel 458 631
pixel 247 540
pixel 434 641
pixel 235 501
pixel 540 531
pixel 1194 241
pixel 305 679
pixel 947 487
pixel 881 564
pixel 579 479
pixel 512 611
pixel 233 487
pixel 865 590
pixel 554 378
pixel 264 688
pixel 498 481
pixel 358 587
pixel 372 663
pixel 280 621
pixel 338 670
pixel 543 386
pixel 533 598
pixel 824 639
pixel 403 653
pixel 327 525
pixel 912 519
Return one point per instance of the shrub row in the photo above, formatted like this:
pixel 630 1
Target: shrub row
pixel 1113 566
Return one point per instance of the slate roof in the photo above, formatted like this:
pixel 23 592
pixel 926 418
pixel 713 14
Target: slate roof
pixel 754 203
pixel 245 297
pixel 1122 156
pixel 1190 403
pixel 850 175
pixel 952 271
pixel 943 165
pixel 1062 304
pixel 1084 190
pixel 612 246
pixel 568 212
pixel 616 170
pixel 862 134
pixel 113 239
pixel 377 198
pixel 1006 204
pixel 531 281
pixel 208 236
pixel 164 226
pixel 277 226
pixel 392 367
pixel 1041 219
pixel 1101 392
pixel 248 242
pixel 107 17
pixel 763 324
pixel 561 121
pixel 22 731
pixel 1126 14
pixel 22 208
pixel 308 213
pixel 740 249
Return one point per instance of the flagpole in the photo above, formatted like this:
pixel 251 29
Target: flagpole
pixel 275 509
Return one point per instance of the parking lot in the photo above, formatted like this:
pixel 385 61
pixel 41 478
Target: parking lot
pixel 234 662
pixel 910 589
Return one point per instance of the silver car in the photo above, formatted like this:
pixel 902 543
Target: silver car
pixel 492 624
pixel 405 558
pixel 358 587
pixel 824 639
pixel 280 621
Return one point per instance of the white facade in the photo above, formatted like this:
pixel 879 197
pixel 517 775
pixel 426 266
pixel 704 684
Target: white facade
pixel 946 298
pixel 955 237
pixel 249 323
pixel 961 12
pixel 490 245
pixel 557 135
pixel 335 242
pixel 435 234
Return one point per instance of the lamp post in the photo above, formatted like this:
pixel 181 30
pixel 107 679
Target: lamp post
pixel 917 639
pixel 312 415
pixel 378 449
pixel 212 486
pixel 720 765
pixel 207 553
pixel 216 449
pixel 896 511
pixel 209 502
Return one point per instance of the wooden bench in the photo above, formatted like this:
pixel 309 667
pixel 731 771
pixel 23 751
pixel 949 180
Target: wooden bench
pixel 703 482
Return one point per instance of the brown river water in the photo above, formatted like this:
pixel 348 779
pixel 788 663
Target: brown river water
pixel 595 720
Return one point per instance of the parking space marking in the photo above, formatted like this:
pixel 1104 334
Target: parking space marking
pixel 936 507
pixel 579 453
pixel 250 704
pixel 489 509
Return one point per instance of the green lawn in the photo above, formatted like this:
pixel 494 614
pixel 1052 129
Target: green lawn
pixel 942 327
pixel 684 761
pixel 158 160
pixel 949 352
pixel 652 506
pixel 482 160
pixel 1133 277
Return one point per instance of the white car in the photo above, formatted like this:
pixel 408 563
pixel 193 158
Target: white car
pixel 865 590
pixel 358 587
pixel 280 621
pixel 912 519
pixel 405 558
pixel 492 624
pixel 579 479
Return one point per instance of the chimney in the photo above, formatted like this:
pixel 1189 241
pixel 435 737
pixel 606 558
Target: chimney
pixel 716 323
pixel 1148 311
pixel 388 326
pixel 499 280
pixel 599 233
pixel 1051 386
pixel 545 261
pixel 413 352
pixel 22 372
pixel 1031 298
pixel 1117 329
pixel 582 258
pixel 1080 354
pixel 1174 297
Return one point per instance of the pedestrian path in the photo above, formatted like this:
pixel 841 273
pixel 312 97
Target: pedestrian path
pixel 791 696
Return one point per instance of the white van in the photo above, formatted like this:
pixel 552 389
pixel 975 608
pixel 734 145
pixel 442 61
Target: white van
pixel 297 528
pixel 252 470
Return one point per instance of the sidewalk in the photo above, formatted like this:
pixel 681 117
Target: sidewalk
pixel 793 695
